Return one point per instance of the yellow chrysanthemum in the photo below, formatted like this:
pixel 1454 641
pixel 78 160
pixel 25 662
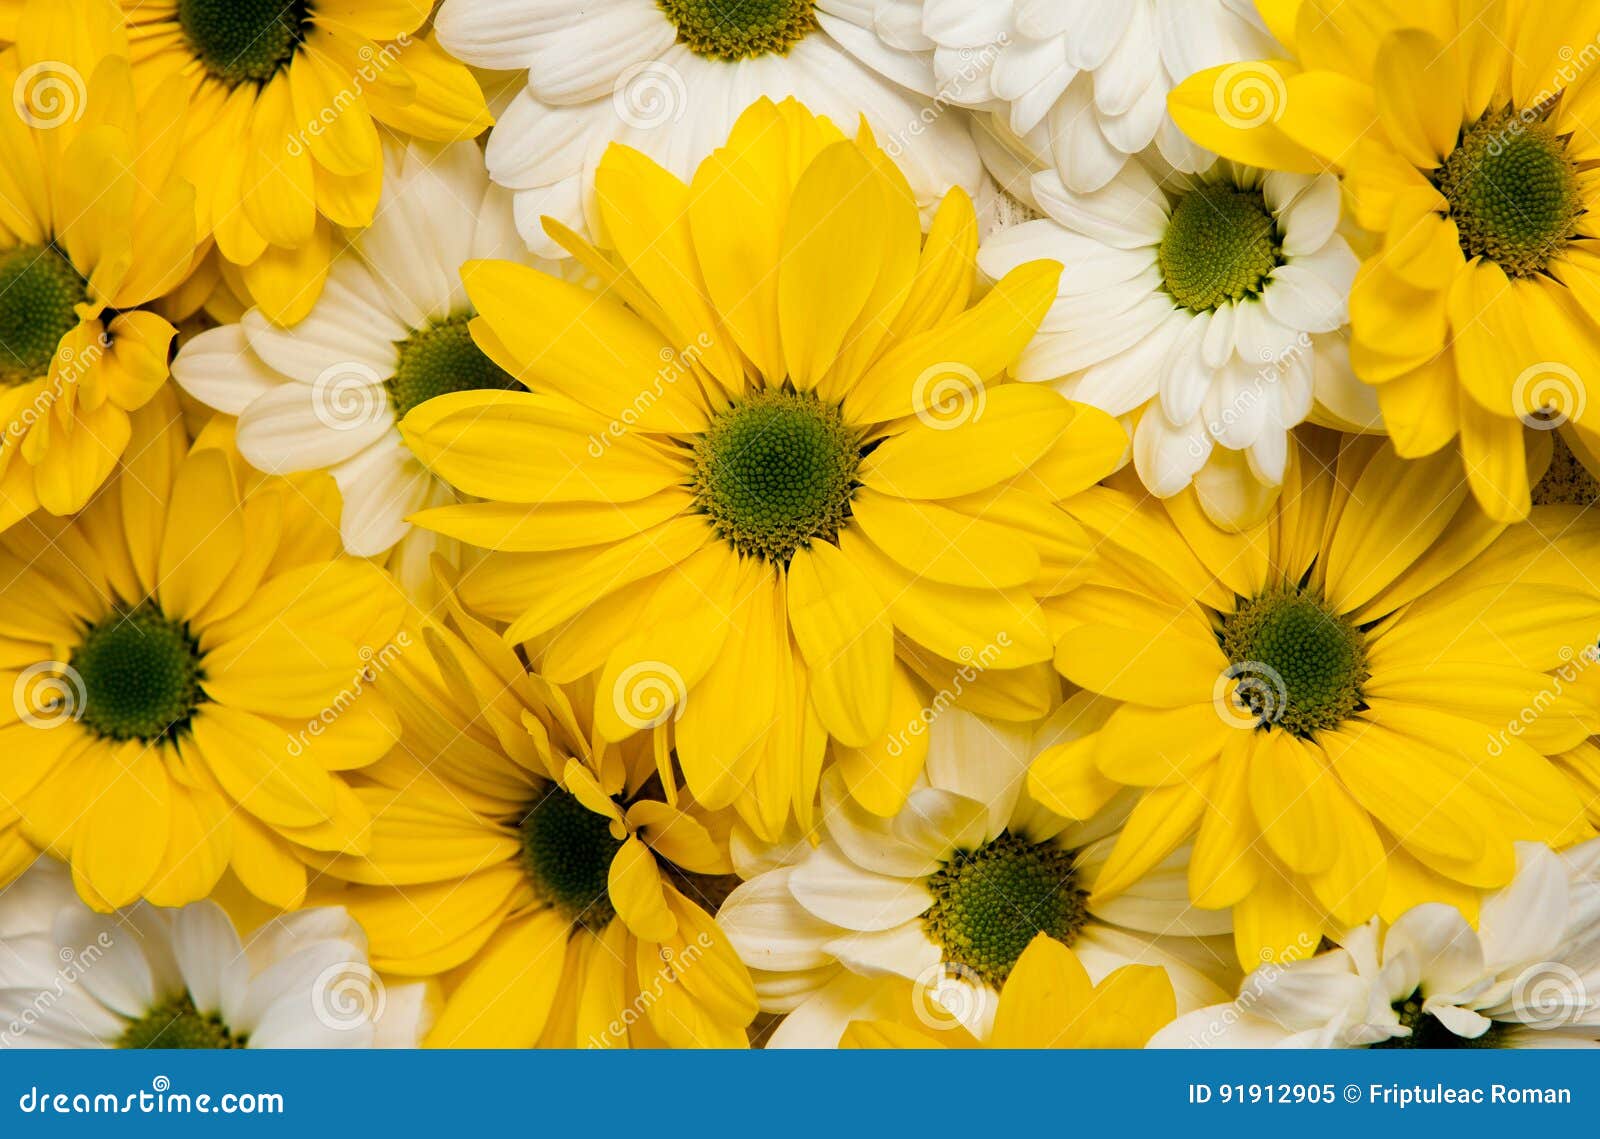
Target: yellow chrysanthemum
pixel 561 893
pixel 185 661
pixel 1469 143
pixel 286 98
pixel 765 474
pixel 1349 708
pixel 94 226
pixel 1047 1002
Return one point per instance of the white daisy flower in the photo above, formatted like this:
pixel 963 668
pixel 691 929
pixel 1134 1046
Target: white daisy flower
pixel 389 331
pixel 668 78
pixel 939 901
pixel 1206 310
pixel 1075 85
pixel 1527 977
pixel 146 977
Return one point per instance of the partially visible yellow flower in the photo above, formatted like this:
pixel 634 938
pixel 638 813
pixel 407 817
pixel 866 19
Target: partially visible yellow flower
pixel 95 224
pixel 564 894
pixel 1469 143
pixel 286 98
pixel 1047 1002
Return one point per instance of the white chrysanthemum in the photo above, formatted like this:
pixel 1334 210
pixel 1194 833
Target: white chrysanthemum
pixel 1077 85
pixel 1208 310
pixel 389 331
pixel 1527 977
pixel 146 977
pixel 669 77
pixel 947 893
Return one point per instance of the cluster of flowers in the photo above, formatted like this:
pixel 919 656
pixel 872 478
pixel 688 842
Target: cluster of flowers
pixel 885 523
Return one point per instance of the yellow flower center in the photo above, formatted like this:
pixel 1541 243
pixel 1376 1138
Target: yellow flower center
pixel 242 41
pixel 140 675
pixel 441 359
pixel 39 292
pixel 1299 665
pixel 1566 482
pixel 740 29
pixel 566 852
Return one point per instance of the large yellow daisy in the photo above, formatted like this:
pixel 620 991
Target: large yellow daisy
pixel 185 661
pixel 286 98
pixel 563 894
pixel 1348 708
pixel 1468 135
pixel 94 226
pixel 768 462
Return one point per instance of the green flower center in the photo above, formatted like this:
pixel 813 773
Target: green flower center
pixel 140 675
pixel 1220 244
pixel 567 851
pixel 1566 482
pixel 1299 665
pixel 1513 191
pixel 1428 1032
pixel 244 40
pixel 776 472
pixel 38 291
pixel 441 359
pixel 989 903
pixel 739 29
pixel 178 1024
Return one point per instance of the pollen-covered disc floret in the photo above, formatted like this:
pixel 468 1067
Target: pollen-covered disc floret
pixel 1566 481
pixel 775 472
pixel 39 292
pixel 740 29
pixel 1513 191
pixel 140 675
pixel 1300 665
pixel 567 851
pixel 441 359
pixel 1221 243
pixel 989 903
pixel 178 1024
pixel 243 40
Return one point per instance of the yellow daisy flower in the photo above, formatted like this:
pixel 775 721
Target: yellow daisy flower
pixel 1047 1002
pixel 286 98
pixel 563 893
pixel 766 467
pixel 185 661
pixel 1469 142
pixel 1349 708
pixel 94 226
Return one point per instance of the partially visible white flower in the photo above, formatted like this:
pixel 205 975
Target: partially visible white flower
pixel 1527 977
pixel 164 978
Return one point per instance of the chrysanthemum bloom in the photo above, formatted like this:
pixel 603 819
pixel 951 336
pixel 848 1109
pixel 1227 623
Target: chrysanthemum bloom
pixel 769 452
pixel 185 662
pixel 162 978
pixel 947 894
pixel 285 101
pixel 1208 310
pixel 1075 87
pixel 669 78
pixel 1526 974
pixel 388 333
pixel 561 893
pixel 1047 1002
pixel 94 226
pixel 1335 704
pixel 1467 142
